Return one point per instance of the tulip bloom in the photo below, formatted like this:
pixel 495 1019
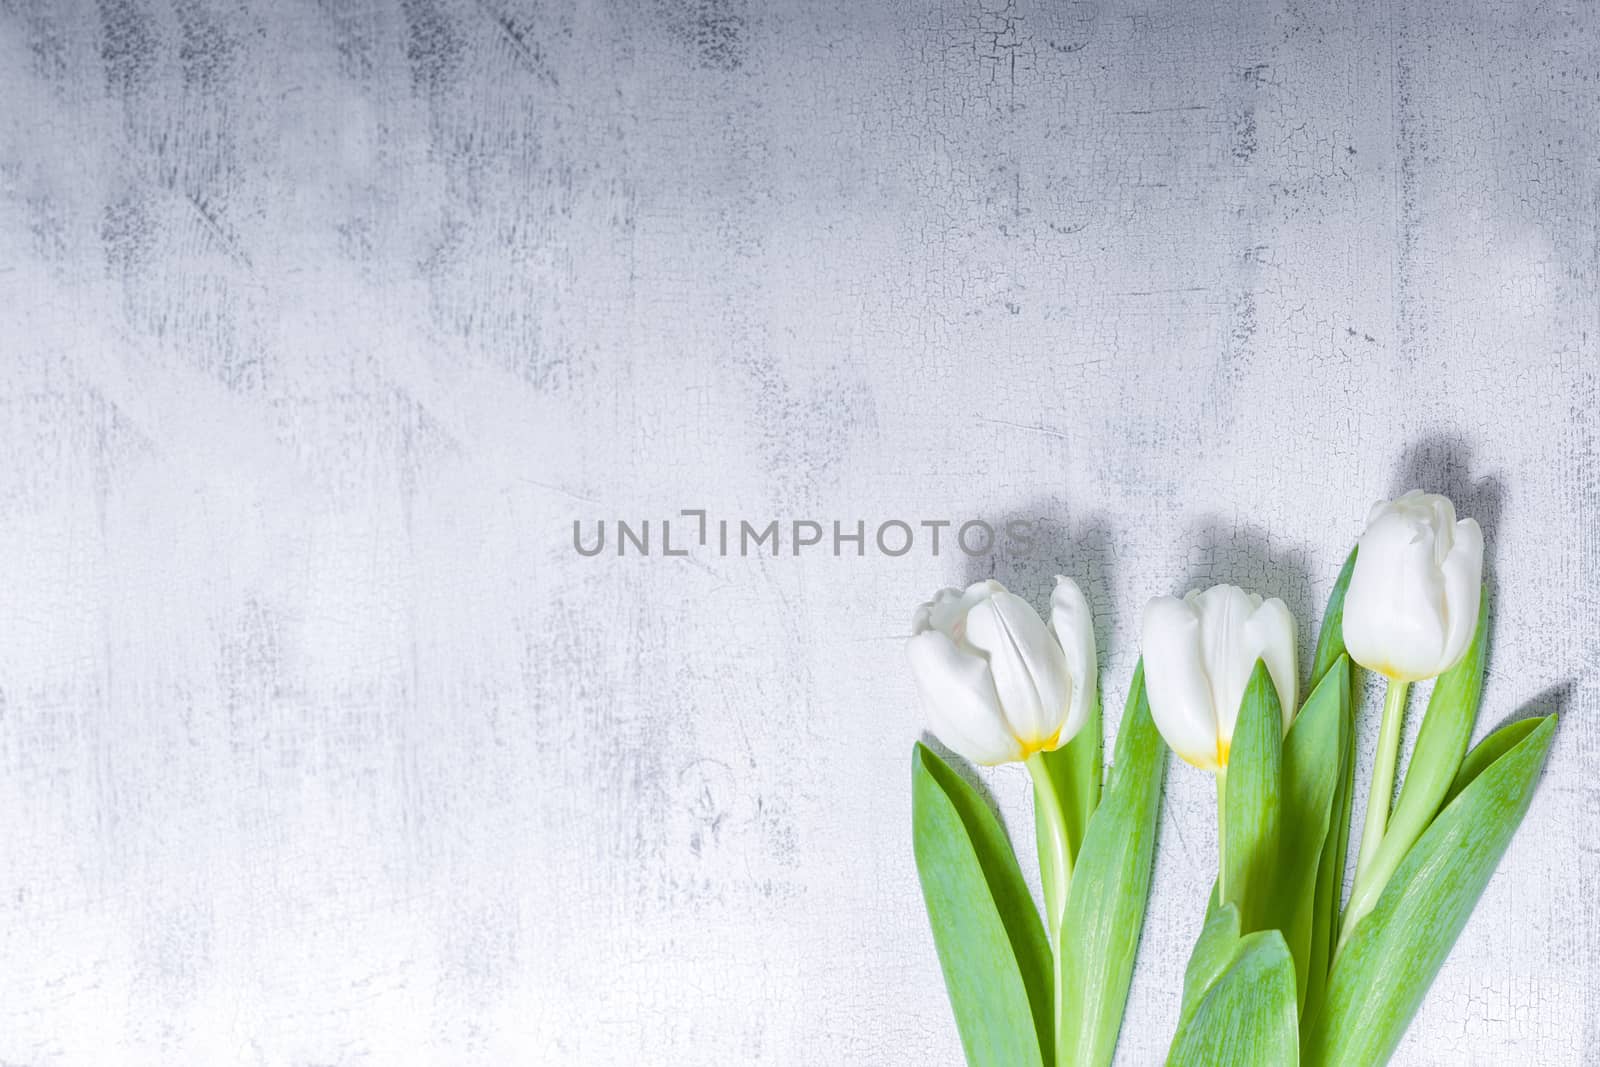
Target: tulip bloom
pixel 1413 599
pixel 1409 615
pixel 1198 655
pixel 997 684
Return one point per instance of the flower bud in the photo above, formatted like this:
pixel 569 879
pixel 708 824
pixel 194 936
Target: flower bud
pixel 997 684
pixel 1198 656
pixel 1413 598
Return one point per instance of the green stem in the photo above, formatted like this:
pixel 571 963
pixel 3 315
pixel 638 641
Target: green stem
pixel 1055 848
pixel 1055 870
pixel 1222 835
pixel 1383 767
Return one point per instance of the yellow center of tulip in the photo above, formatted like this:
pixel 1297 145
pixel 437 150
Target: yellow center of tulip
pixel 1049 744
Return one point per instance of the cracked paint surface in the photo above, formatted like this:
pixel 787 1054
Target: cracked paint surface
pixel 321 322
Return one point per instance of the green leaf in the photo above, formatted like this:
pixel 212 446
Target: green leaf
pixel 1247 1016
pixel 1335 847
pixel 1392 955
pixel 1441 742
pixel 1310 773
pixel 1213 951
pixel 992 947
pixel 1110 884
pixel 1330 863
pixel 1330 642
pixel 1253 803
pixel 1074 772
pixel 1488 750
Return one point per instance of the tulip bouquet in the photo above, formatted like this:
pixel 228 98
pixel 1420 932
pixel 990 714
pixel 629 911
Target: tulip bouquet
pixel 1285 969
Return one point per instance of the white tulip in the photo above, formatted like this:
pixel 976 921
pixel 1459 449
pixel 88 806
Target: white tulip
pixel 1198 655
pixel 998 685
pixel 1409 614
pixel 1413 598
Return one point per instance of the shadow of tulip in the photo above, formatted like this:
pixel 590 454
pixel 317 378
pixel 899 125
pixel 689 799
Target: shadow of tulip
pixel 1247 556
pixel 1082 551
pixel 1553 700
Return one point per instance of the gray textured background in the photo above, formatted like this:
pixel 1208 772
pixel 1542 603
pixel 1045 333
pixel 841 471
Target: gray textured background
pixel 321 322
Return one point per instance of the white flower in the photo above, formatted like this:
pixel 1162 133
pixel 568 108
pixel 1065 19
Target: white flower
pixel 1198 656
pixel 1413 598
pixel 997 684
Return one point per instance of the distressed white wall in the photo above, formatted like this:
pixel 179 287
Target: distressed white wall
pixel 320 323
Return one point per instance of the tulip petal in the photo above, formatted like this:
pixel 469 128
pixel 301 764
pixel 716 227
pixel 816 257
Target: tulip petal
pixel 1230 654
pixel 1073 626
pixel 959 697
pixel 947 611
pixel 1442 521
pixel 1463 584
pixel 1270 636
pixel 1394 611
pixel 1029 668
pixel 1176 683
pixel 926 614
